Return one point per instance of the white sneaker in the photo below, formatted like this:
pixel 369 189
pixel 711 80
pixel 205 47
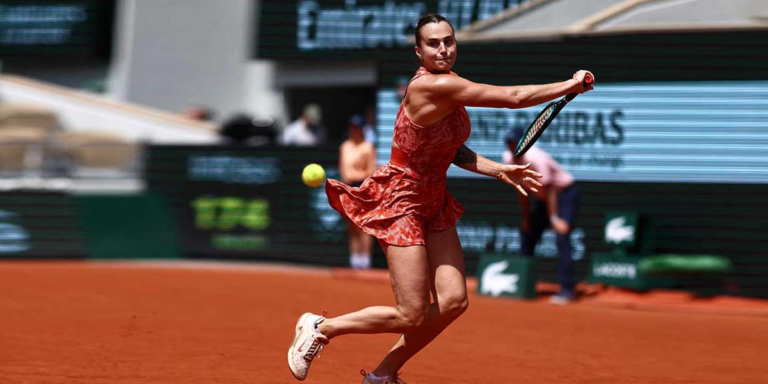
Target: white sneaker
pixel 360 261
pixel 307 344
pixel 561 299
pixel 354 261
pixel 365 261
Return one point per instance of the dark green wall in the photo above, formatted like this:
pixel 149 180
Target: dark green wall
pixel 39 225
pixel 127 227
pixel 57 225
pixel 735 55
pixel 726 220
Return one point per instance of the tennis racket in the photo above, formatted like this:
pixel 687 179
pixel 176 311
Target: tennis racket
pixel 545 117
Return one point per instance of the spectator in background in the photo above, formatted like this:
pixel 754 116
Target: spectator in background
pixel 357 160
pixel 555 205
pixel 307 130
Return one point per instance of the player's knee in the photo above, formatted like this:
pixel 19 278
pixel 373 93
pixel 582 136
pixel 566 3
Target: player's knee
pixel 455 305
pixel 414 318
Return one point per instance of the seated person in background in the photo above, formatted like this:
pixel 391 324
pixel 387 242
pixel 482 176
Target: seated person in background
pixel 307 130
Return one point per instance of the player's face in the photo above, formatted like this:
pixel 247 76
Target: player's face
pixel 437 49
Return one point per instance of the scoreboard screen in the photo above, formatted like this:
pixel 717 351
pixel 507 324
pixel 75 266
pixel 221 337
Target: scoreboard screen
pixel 56 27
pixel 356 28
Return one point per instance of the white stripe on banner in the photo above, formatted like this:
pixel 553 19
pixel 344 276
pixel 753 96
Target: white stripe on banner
pixel 712 132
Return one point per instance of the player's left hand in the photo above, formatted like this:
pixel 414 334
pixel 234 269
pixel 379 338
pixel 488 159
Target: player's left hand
pixel 520 177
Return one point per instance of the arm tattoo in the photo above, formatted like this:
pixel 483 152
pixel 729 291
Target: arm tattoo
pixel 465 155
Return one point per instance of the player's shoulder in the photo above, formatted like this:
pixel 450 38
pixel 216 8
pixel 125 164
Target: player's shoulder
pixel 437 82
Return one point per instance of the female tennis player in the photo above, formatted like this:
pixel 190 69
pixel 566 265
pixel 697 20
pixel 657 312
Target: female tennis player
pixel 405 205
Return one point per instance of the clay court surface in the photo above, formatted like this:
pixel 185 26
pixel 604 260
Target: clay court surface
pixel 119 323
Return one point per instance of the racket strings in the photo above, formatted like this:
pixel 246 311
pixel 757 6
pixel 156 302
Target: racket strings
pixel 539 123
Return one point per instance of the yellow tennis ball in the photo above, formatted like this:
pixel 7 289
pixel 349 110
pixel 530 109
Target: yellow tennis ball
pixel 313 175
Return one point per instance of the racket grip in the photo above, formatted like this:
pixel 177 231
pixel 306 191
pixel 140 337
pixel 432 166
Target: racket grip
pixel 589 79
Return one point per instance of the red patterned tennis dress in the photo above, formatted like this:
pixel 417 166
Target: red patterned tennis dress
pixel 406 199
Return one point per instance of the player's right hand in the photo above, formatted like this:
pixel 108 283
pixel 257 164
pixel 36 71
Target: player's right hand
pixel 580 76
pixel 520 177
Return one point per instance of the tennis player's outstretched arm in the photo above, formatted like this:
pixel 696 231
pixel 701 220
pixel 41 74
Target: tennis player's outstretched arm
pixel 518 176
pixel 431 98
pixel 464 92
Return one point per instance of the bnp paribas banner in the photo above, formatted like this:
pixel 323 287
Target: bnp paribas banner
pixel 711 132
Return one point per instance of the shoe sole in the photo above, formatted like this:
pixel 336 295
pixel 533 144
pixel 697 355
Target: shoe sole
pixel 295 339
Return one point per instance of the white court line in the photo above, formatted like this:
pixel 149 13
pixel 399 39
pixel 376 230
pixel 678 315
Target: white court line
pixel 207 265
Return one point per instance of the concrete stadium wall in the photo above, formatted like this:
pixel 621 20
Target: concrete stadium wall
pixel 81 110
pixel 199 59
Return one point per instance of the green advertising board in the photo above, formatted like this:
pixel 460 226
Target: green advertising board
pixel 624 271
pixel 620 229
pixel 249 203
pixel 502 275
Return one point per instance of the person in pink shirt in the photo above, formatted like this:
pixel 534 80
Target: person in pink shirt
pixel 555 205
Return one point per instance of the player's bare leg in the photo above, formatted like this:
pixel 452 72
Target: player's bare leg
pixel 448 283
pixel 409 275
